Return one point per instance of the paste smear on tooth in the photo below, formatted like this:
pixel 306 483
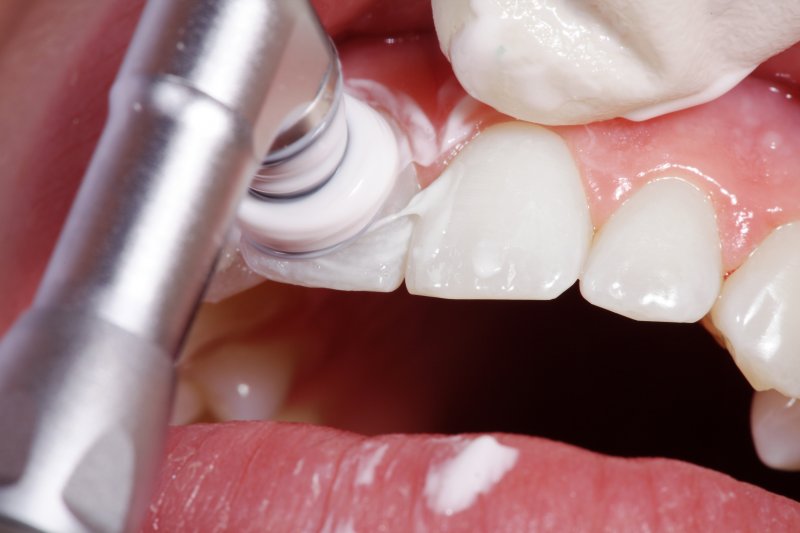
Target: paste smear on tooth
pixel 508 219
pixel 565 62
pixel 658 258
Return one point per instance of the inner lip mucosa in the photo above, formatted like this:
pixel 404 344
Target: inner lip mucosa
pixel 562 369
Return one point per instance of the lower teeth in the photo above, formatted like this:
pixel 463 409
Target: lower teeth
pixel 775 422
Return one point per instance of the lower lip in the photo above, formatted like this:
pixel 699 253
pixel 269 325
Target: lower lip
pixel 298 478
pixel 620 387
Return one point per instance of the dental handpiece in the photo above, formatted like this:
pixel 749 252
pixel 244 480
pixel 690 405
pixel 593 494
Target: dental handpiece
pixel 86 374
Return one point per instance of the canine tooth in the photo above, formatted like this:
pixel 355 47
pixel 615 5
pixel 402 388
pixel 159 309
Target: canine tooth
pixel 775 423
pixel 245 380
pixel 507 219
pixel 758 312
pixel 658 257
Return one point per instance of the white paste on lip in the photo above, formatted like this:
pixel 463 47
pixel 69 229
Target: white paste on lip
pixel 339 527
pixel 346 527
pixel 453 486
pixel 368 464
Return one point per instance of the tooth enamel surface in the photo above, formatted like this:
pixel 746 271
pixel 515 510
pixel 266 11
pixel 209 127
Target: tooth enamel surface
pixel 775 422
pixel 566 62
pixel 658 258
pixel 758 313
pixel 507 219
pixel 246 380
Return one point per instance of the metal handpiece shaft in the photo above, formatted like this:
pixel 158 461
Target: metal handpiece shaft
pixel 187 122
pixel 86 375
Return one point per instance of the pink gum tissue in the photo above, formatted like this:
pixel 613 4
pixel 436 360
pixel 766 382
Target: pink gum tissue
pixel 742 149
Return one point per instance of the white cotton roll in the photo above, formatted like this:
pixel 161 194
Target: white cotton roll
pixel 566 62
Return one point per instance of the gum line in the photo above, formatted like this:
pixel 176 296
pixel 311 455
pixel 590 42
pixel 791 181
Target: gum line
pixel 741 148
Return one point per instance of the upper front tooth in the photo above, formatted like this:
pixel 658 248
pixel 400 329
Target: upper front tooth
pixel 507 219
pixel 658 257
pixel 759 310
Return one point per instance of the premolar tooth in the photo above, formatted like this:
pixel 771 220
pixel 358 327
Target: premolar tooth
pixel 758 313
pixel 775 422
pixel 507 219
pixel 244 380
pixel 658 257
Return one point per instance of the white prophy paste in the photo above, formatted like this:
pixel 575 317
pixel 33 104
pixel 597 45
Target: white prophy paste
pixel 453 486
pixel 368 464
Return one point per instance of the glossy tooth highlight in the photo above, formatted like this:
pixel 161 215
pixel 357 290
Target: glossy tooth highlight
pixel 658 258
pixel 244 380
pixel 758 312
pixel 775 423
pixel 508 219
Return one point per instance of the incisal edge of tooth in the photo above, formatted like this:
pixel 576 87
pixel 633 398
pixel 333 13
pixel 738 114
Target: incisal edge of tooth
pixel 507 219
pixel 758 313
pixel 244 380
pixel 658 258
pixel 775 424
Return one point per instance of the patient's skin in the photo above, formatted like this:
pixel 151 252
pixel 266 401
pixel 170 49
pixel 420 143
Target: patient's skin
pixel 57 61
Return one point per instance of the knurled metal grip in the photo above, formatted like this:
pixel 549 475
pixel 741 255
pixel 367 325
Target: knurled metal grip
pixel 86 375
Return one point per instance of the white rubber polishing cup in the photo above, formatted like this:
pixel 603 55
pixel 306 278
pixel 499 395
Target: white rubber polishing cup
pixel 341 208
